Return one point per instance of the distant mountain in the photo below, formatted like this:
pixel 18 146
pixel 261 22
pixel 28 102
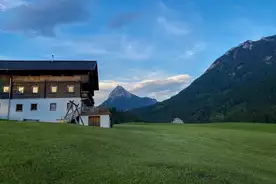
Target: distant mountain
pixel 123 100
pixel 238 86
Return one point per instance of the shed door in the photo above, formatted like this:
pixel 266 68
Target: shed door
pixel 94 121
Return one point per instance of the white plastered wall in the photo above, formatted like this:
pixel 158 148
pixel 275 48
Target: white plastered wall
pixel 4 108
pixel 104 121
pixel 43 112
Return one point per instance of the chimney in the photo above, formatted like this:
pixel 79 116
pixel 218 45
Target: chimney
pixel 53 57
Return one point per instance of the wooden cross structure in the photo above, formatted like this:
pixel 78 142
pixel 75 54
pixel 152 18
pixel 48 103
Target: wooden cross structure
pixel 73 113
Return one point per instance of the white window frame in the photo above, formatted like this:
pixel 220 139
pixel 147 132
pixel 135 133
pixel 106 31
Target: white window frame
pixel 36 107
pixel 53 109
pixel 19 110
pixel 68 105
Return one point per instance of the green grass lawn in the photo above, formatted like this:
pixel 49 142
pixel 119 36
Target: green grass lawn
pixel 137 153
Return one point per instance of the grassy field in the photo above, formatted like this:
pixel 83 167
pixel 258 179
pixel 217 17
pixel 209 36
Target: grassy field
pixel 137 153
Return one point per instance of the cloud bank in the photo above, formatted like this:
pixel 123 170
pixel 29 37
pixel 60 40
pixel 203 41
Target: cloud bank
pixel 42 17
pixel 175 28
pixel 160 88
pixel 123 19
pixel 7 4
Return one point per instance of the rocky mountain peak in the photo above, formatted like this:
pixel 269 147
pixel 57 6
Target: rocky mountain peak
pixel 247 45
pixel 119 91
pixel 241 51
pixel 123 100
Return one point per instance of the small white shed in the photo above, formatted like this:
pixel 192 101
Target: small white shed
pixel 177 121
pixel 97 117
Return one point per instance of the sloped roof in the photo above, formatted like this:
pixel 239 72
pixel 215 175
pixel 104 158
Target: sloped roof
pixel 7 65
pixel 49 67
pixel 94 111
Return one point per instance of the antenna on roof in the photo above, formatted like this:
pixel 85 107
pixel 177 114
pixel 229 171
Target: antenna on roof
pixel 53 57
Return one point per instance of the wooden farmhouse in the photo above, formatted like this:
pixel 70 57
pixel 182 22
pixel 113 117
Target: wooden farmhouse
pixel 51 91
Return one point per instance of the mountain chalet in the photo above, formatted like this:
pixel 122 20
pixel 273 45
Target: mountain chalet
pixel 51 91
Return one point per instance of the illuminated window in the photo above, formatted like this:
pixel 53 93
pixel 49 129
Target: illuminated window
pixel 54 89
pixel 53 107
pixel 20 89
pixel 6 89
pixel 70 88
pixel 35 89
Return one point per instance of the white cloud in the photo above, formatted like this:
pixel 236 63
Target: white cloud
pixel 159 88
pixel 105 46
pixel 163 7
pixel 41 18
pixel 187 54
pixel 198 47
pixel 7 4
pixel 173 27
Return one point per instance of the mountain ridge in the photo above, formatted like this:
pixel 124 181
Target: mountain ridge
pixel 123 100
pixel 238 86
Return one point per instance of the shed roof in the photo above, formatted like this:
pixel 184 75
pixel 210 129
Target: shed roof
pixel 74 65
pixel 95 111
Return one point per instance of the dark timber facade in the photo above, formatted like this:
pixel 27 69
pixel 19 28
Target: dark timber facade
pixel 23 81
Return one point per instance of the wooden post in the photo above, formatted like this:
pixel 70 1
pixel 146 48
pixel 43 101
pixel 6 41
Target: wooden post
pixel 80 117
pixel 10 96
pixel 45 89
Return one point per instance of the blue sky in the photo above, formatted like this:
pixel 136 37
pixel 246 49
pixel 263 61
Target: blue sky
pixel 151 47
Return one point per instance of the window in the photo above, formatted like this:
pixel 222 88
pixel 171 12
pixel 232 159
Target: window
pixel 6 89
pixel 20 89
pixel 19 107
pixel 68 106
pixel 54 89
pixel 70 88
pixel 33 107
pixel 35 89
pixel 53 107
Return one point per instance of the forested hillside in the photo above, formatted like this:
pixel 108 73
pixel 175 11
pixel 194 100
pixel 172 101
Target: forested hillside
pixel 238 86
